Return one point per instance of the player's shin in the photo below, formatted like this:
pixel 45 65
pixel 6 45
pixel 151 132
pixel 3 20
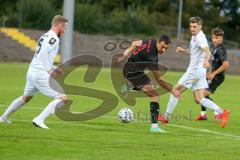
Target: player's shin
pixel 203 109
pixel 211 105
pixel 50 109
pixel 154 109
pixel 15 105
pixel 172 103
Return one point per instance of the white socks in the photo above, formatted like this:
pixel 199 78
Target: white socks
pixel 154 125
pixel 19 102
pixel 172 103
pixel 50 109
pixel 15 105
pixel 203 113
pixel 215 113
pixel 211 105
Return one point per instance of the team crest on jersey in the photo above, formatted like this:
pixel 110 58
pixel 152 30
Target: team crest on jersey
pixel 52 41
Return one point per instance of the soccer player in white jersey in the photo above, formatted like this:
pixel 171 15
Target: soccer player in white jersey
pixel 195 76
pixel 39 73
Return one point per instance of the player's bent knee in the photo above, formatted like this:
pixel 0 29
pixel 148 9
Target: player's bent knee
pixel 27 98
pixel 207 93
pixel 153 94
pixel 154 98
pixel 197 100
pixel 65 99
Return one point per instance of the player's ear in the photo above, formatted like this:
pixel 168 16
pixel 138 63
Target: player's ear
pixel 169 45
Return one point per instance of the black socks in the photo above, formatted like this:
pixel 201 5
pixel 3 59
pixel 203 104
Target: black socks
pixel 154 109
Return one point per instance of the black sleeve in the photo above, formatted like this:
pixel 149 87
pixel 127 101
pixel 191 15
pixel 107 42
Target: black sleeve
pixel 223 55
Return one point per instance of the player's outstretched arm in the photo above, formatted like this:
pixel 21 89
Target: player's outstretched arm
pixel 182 50
pixel 165 85
pixel 129 50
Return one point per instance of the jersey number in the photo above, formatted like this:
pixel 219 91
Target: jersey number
pixel 39 45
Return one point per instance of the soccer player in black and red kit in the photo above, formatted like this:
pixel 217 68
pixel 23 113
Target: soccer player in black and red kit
pixel 142 55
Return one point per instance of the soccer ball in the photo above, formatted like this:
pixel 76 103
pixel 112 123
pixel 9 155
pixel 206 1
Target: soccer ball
pixel 125 115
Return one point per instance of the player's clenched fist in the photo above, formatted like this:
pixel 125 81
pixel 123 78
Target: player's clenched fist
pixel 179 49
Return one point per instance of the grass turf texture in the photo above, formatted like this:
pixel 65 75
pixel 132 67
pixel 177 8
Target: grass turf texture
pixel 106 138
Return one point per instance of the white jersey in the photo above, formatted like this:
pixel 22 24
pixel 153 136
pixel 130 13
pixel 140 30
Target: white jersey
pixel 197 54
pixel 46 51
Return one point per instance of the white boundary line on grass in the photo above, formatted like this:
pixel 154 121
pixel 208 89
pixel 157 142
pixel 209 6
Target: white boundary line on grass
pixel 197 129
pixel 223 135
pixel 205 131
pixel 235 137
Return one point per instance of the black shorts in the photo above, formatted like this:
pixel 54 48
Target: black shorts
pixel 215 83
pixel 137 79
pixel 135 75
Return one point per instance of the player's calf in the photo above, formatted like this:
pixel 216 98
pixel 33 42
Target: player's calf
pixel 15 105
pixel 197 100
pixel 49 110
pixel 154 110
pixel 64 99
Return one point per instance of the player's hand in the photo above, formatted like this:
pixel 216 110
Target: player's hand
pixel 176 93
pixel 210 76
pixel 59 71
pixel 206 64
pixel 179 50
pixel 54 74
pixel 121 59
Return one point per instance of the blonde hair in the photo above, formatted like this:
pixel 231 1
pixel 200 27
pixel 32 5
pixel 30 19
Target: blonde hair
pixel 58 19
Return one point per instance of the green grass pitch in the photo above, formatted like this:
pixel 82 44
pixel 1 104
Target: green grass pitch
pixel 105 138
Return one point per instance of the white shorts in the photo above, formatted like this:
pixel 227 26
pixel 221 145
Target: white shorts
pixel 38 81
pixel 194 79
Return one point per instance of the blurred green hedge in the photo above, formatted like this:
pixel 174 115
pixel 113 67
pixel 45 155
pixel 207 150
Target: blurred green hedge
pixel 124 16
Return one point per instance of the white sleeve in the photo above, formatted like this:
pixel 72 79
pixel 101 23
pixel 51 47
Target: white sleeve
pixel 44 56
pixel 202 41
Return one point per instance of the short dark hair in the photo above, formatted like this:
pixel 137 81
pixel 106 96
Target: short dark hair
pixel 217 31
pixel 165 39
pixel 196 19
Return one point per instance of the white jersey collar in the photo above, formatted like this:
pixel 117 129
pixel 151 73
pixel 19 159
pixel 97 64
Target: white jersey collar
pixel 52 32
pixel 200 32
